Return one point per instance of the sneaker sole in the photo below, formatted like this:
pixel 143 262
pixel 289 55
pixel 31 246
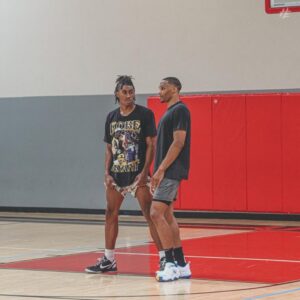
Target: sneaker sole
pixel 99 272
pixel 185 277
pixel 160 279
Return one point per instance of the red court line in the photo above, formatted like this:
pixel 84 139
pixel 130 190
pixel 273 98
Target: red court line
pixel 215 269
pixel 281 245
pixel 231 257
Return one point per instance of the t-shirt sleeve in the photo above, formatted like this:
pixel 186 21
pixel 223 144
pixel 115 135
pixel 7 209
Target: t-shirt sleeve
pixel 107 136
pixel 181 119
pixel 150 128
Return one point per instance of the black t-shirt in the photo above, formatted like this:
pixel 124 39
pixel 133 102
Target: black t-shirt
pixel 127 136
pixel 177 117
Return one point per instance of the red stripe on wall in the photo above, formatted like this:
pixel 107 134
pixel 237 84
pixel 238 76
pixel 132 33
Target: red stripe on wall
pixel 229 156
pixel 197 191
pixel 291 152
pixel 264 157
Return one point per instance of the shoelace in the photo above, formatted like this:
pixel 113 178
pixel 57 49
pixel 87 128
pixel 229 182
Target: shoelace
pixel 162 263
pixel 100 261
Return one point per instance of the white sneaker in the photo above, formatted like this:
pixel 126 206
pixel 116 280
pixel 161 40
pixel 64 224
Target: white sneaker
pixel 185 272
pixel 169 273
pixel 162 263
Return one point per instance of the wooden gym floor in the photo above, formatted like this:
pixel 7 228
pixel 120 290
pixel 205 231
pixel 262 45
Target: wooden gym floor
pixel 42 256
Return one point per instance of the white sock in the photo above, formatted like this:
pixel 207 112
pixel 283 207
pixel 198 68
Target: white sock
pixel 161 254
pixel 110 254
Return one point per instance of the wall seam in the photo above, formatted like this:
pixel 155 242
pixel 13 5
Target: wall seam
pixel 246 154
pixel 212 152
pixel 281 143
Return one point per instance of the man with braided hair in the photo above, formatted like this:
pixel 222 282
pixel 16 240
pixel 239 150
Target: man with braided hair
pixel 130 136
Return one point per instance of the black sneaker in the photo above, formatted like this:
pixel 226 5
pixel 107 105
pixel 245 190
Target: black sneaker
pixel 103 265
pixel 162 263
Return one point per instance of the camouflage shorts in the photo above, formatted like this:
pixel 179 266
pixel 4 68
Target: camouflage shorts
pixel 131 189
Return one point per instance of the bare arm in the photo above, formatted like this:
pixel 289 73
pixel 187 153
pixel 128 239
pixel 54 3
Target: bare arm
pixel 179 137
pixel 150 144
pixel 108 158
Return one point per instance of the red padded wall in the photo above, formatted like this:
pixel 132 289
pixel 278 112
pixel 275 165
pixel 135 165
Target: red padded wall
pixel 245 153
pixel 264 155
pixel 197 191
pixel 291 152
pixel 158 108
pixel 229 153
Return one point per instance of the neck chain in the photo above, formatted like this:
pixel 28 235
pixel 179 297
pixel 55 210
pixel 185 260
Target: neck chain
pixel 124 114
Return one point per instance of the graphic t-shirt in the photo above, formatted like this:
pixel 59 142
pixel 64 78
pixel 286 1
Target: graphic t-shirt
pixel 127 136
pixel 177 117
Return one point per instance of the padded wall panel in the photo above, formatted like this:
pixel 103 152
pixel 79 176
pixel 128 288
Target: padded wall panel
pixel 196 193
pixel 229 153
pixel 291 152
pixel 264 153
pixel 158 108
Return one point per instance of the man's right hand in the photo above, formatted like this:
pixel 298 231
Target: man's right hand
pixel 157 179
pixel 109 181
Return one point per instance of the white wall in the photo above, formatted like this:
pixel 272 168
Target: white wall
pixel 77 47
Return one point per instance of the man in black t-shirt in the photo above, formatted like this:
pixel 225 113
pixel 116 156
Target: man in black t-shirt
pixel 172 163
pixel 129 135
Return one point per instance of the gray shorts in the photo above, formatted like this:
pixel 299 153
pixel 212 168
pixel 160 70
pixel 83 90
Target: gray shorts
pixel 167 190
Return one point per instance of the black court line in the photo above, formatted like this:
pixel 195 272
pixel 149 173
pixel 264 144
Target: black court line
pixel 290 228
pixel 138 223
pixel 144 296
pixel 67 221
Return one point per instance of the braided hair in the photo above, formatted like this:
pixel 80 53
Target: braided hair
pixel 120 82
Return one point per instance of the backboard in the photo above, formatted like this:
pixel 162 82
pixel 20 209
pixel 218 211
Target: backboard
pixel 279 6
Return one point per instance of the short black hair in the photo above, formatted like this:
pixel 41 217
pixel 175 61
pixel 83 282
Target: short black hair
pixel 174 81
pixel 121 81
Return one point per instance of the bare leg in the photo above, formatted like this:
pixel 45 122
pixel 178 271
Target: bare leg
pixel 158 212
pixel 145 199
pixel 178 251
pixel 174 226
pixel 114 200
